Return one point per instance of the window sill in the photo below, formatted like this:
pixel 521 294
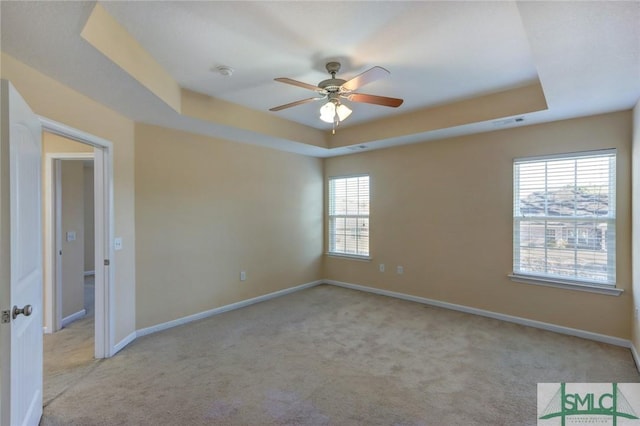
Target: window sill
pixel 567 285
pixel 350 256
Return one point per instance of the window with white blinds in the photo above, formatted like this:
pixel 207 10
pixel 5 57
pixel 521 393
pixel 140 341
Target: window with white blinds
pixel 349 215
pixel 564 217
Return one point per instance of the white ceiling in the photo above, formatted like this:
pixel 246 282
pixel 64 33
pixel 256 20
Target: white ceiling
pixel 585 54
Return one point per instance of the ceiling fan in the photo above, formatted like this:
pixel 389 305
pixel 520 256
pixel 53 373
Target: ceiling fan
pixel 335 89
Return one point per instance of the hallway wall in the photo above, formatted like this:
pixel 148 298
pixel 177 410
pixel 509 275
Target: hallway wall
pixel 89 223
pixel 72 249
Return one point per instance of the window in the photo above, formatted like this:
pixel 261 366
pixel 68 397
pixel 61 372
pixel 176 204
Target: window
pixel 564 218
pixel 349 216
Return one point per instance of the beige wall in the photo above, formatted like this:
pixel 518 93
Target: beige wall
pixel 72 198
pixel 89 222
pixel 636 225
pixel 52 143
pixel 443 210
pixel 207 209
pixel 53 100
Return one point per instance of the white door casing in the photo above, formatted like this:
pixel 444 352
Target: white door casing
pixel 20 261
pixel 105 346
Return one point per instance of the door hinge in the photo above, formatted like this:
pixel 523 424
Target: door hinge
pixel 106 262
pixel 6 317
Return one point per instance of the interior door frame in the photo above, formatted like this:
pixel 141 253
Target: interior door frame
pixel 53 236
pixel 104 228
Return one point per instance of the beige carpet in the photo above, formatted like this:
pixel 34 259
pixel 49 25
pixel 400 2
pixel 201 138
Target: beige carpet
pixel 332 356
pixel 68 354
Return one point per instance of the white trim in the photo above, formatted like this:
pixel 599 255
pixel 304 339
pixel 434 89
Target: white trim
pixel 70 155
pixel 495 315
pixel 104 226
pixel 635 355
pixel 89 273
pixel 45 330
pixel 567 285
pixel 568 155
pixel 63 130
pixel 73 317
pixel 226 308
pixel 124 342
pixel 350 256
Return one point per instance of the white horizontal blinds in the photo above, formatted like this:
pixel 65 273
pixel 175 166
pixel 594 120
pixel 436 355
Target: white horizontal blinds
pixel 564 216
pixel 349 215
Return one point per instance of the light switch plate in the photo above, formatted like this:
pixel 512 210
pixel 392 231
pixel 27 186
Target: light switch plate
pixel 71 236
pixel 117 243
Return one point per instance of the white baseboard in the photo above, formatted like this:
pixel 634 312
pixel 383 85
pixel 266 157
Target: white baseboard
pixel 226 308
pixel 490 314
pixel 636 356
pixel 71 318
pixel 122 343
pixel 87 273
pixel 45 330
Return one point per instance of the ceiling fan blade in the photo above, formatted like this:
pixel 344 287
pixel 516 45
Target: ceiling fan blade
pixel 366 77
pixel 298 83
pixel 373 99
pixel 292 104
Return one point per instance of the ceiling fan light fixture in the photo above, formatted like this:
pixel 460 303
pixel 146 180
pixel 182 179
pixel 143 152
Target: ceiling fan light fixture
pixel 328 112
pixel 343 111
pixel 333 112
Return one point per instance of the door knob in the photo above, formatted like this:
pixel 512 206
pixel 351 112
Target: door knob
pixel 26 311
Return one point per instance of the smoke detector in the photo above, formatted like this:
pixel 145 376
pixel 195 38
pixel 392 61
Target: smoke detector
pixel 224 70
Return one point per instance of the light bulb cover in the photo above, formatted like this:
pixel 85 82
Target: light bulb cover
pixel 343 112
pixel 328 112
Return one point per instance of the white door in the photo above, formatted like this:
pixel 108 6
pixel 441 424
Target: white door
pixel 20 262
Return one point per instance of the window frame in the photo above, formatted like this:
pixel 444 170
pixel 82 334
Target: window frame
pixel 330 244
pixel 608 288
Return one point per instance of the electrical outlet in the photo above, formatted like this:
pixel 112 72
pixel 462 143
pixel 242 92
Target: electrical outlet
pixel 381 267
pixel 243 275
pixel 400 270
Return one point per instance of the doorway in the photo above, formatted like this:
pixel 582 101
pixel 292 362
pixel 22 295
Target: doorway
pixel 68 290
pixel 64 228
pixel 101 150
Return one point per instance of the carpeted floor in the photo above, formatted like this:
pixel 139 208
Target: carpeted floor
pixel 332 356
pixel 68 354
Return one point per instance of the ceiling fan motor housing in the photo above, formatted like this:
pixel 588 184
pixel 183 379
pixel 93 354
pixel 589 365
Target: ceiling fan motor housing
pixel 332 84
